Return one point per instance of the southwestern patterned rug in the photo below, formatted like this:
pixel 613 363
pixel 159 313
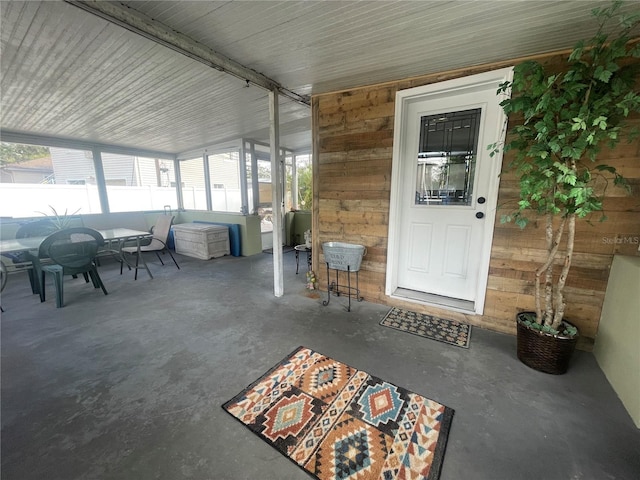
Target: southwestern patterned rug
pixel 339 423
pixel 428 326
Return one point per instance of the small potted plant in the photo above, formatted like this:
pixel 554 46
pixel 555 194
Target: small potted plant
pixel 60 221
pixel 567 117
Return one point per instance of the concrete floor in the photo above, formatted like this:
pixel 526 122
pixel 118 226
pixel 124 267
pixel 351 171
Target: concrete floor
pixel 129 385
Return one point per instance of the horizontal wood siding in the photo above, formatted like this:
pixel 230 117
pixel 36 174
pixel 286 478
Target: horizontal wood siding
pixel 353 142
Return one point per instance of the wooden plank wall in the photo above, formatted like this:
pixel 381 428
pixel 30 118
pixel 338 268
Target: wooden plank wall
pixel 353 140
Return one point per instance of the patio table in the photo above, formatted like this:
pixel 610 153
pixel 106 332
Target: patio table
pixel 112 236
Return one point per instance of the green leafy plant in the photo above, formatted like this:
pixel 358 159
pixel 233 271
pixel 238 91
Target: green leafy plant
pixel 567 117
pixel 17 153
pixel 305 191
pixel 60 221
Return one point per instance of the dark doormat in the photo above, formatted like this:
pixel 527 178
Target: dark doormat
pixel 440 329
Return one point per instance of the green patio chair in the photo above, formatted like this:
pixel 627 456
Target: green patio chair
pixel 71 251
pixel 37 228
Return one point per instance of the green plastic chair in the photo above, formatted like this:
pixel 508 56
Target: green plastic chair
pixel 36 228
pixel 71 251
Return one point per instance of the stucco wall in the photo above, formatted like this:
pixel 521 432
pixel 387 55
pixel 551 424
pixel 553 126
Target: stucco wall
pixel 617 347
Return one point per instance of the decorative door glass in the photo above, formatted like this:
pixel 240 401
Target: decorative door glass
pixel 447 158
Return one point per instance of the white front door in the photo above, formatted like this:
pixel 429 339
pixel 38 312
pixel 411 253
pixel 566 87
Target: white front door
pixel 445 187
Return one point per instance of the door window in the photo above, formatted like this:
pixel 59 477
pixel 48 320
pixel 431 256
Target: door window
pixel 447 158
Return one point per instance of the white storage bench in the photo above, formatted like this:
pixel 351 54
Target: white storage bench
pixel 201 240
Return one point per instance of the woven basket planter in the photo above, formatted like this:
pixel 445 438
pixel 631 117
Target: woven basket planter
pixel 542 351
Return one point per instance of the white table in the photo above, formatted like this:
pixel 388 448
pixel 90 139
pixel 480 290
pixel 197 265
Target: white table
pixel 120 236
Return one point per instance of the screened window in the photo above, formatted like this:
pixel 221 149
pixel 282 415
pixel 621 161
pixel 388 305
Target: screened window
pixel 224 176
pixel 193 186
pixel 138 183
pixel 34 179
pixel 303 171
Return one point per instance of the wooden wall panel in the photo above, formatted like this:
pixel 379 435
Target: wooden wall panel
pixel 353 147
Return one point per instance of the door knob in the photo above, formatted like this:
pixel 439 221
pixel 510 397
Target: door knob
pixel 479 215
pixel 481 200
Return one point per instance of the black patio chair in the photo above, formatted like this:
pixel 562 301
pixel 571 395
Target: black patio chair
pixel 71 251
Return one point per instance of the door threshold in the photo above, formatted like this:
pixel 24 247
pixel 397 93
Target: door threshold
pixel 456 304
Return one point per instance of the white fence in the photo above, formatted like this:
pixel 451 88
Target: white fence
pixel 29 200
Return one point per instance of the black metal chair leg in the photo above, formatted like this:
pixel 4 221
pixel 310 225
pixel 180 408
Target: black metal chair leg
pixel 326 302
pixel 135 277
pixel 349 286
pixel 172 258
pixel 122 262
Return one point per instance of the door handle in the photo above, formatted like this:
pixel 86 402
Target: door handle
pixel 479 215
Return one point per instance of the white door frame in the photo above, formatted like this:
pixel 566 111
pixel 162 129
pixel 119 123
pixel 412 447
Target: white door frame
pixel 403 97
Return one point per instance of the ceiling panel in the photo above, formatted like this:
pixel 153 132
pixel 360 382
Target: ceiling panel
pixel 65 72
pixel 71 74
pixel 317 46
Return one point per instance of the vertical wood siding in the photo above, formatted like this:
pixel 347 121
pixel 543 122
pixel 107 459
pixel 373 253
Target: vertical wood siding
pixel 352 141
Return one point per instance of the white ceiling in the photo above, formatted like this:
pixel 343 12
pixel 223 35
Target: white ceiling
pixel 68 73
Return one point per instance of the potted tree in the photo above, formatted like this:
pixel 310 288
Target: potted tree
pixel 567 117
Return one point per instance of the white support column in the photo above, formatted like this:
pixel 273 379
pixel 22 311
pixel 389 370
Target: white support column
pixel 101 183
pixel 244 195
pixel 294 182
pixel 255 185
pixel 178 177
pixel 207 181
pixel 276 194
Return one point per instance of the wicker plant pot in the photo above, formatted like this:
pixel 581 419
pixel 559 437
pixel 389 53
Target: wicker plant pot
pixel 542 351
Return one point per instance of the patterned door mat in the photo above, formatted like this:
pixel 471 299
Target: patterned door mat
pixel 428 326
pixel 337 422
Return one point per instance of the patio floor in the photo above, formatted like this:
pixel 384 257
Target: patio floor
pixel 129 385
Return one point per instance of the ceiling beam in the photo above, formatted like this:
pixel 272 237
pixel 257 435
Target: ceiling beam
pixel 153 30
